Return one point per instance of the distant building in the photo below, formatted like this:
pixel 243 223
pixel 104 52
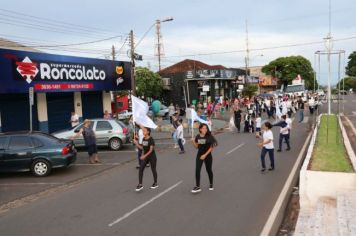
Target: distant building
pixel 191 80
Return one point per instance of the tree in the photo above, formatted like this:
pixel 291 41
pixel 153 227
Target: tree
pixel 351 65
pixel 350 83
pixel 149 84
pixel 287 69
pixel 250 90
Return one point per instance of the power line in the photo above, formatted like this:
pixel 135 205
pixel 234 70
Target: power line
pixel 20 14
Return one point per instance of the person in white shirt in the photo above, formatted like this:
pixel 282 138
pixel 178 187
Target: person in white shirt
pixel 171 111
pixel 258 124
pixel 267 146
pixel 74 119
pixel 180 136
pixel 139 137
pixel 283 133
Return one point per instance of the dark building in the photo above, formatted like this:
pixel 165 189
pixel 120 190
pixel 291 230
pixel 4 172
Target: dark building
pixel 191 80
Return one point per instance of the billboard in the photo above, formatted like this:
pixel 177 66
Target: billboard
pixel 20 70
pixel 267 81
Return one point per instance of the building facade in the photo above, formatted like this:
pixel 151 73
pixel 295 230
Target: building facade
pixel 60 85
pixel 189 81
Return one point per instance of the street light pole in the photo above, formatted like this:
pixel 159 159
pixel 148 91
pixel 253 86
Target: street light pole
pixel 159 36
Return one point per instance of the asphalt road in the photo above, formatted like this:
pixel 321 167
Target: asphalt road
pixel 106 204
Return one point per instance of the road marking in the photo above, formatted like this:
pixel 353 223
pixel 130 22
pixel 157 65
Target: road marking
pixel 22 184
pixel 235 148
pixel 144 204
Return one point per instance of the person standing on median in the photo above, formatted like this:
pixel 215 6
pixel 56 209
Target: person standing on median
pixel 204 142
pixel 90 141
pixel 267 146
pixel 149 156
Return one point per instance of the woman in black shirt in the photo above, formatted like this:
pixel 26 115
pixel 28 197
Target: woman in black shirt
pixel 149 156
pixel 204 142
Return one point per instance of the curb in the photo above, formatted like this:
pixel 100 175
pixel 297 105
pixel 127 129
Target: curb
pixel 347 142
pixel 277 214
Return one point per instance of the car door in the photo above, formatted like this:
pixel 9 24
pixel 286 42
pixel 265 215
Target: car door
pixel 78 141
pixel 103 132
pixel 18 154
pixel 3 145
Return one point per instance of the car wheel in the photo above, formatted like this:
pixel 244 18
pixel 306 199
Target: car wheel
pixel 115 144
pixel 41 168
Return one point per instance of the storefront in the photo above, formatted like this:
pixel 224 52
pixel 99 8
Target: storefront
pixel 61 84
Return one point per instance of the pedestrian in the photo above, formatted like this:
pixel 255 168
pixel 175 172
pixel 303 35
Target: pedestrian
pixel 139 138
pixel 300 103
pixel 258 124
pixel 209 123
pixel 188 116
pixel 149 156
pixel 107 115
pixel 267 146
pixel 283 133
pixel 238 116
pixel 204 142
pixel 175 126
pixel 74 119
pixel 171 111
pixel 180 136
pixel 89 140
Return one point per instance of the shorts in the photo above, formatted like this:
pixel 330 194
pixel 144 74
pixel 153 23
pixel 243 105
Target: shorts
pixel 92 149
pixel 258 129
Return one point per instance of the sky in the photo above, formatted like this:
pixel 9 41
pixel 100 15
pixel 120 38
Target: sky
pixel 201 29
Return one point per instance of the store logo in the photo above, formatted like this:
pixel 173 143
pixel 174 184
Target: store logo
pixel 27 69
pixel 119 70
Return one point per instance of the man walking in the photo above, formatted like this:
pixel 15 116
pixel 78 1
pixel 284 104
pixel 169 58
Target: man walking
pixel 237 116
pixel 301 109
pixel 284 133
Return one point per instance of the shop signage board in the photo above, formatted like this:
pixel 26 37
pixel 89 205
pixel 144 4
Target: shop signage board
pixel 20 70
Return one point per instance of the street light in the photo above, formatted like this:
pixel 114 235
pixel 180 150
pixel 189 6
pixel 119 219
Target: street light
pixel 159 44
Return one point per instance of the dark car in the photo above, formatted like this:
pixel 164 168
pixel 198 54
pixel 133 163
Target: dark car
pixel 34 151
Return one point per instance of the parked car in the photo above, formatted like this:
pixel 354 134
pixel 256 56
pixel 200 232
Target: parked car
pixel 34 151
pixel 162 113
pixel 109 133
pixel 124 115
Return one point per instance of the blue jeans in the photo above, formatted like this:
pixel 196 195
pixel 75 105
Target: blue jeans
pixel 180 143
pixel 301 115
pixel 285 137
pixel 271 157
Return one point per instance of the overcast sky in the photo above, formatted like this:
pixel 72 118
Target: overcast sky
pixel 199 27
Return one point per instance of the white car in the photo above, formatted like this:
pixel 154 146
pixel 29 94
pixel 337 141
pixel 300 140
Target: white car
pixel 123 115
pixel 163 112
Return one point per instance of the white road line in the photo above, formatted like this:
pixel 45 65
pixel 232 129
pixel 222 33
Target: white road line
pixel 235 148
pixel 24 184
pixel 143 205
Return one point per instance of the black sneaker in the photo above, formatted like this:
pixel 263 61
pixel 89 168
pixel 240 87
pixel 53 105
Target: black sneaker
pixel 137 167
pixel 263 170
pixel 211 188
pixel 154 186
pixel 139 188
pixel 196 190
pixel 288 149
pixel 279 150
pixel 270 169
pixel 181 152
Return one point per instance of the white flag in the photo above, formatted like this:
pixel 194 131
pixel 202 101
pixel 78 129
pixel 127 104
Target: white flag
pixel 139 113
pixel 195 117
pixel 278 110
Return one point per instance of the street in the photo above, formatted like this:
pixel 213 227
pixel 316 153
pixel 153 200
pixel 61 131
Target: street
pixel 106 204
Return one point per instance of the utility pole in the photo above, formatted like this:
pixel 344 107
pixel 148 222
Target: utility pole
pixel 132 55
pixel 159 46
pixel 113 55
pixel 247 58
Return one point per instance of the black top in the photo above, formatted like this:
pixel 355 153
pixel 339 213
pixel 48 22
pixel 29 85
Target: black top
pixel 147 143
pixel 89 136
pixel 203 145
pixel 237 115
pixel 301 104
